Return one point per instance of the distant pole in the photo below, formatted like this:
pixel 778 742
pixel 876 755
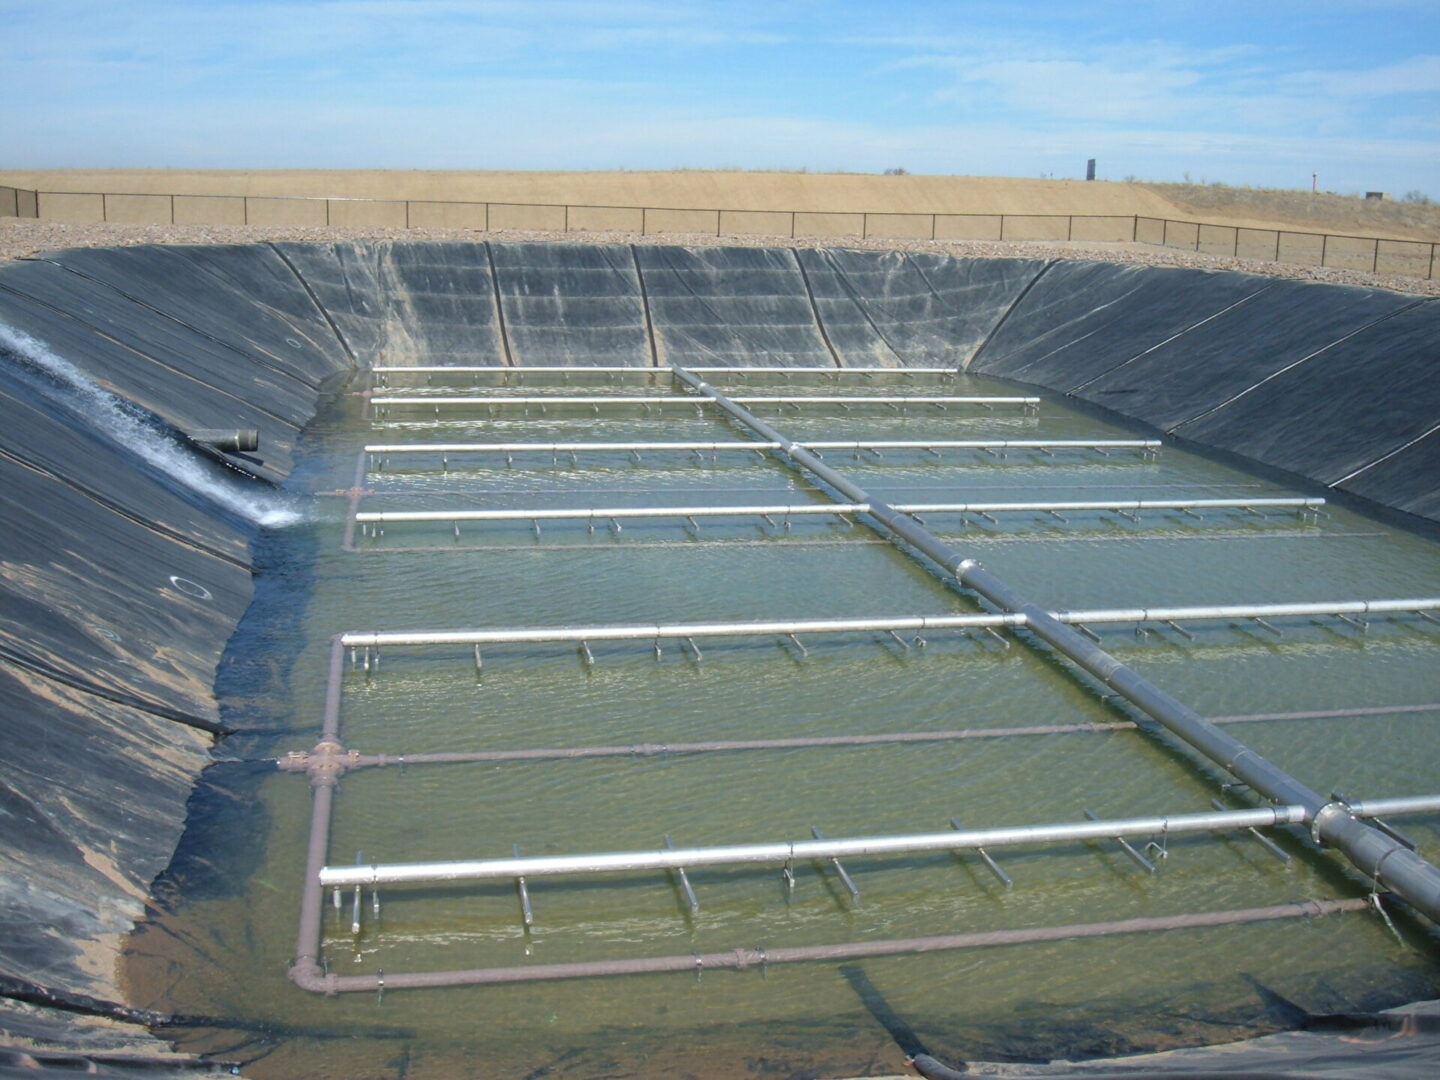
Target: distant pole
pixel 1314 183
pixel 1090 169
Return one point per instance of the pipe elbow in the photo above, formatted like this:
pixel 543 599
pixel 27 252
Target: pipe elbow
pixel 932 1069
pixel 308 975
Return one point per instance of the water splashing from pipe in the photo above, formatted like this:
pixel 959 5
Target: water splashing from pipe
pixel 146 435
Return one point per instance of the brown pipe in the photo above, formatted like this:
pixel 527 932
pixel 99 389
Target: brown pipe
pixel 301 762
pixel 325 772
pixel 759 958
pixel 306 969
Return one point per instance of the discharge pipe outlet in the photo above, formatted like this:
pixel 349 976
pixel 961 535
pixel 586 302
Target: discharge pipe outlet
pixel 1389 863
pixel 228 440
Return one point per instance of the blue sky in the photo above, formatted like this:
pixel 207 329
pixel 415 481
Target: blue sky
pixel 1259 93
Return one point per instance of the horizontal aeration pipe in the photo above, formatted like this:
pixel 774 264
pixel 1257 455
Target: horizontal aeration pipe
pixel 748 444
pixel 655 631
pixel 657 399
pixel 560 513
pixel 1373 853
pixel 793 851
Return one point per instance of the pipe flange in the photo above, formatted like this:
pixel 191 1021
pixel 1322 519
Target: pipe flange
pixel 1323 815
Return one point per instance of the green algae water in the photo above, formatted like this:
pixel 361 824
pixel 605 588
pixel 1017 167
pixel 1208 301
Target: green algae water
pixel 223 937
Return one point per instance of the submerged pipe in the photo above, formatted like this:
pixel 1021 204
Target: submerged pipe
pixel 1374 854
pixel 759 958
pixel 300 761
pixel 325 772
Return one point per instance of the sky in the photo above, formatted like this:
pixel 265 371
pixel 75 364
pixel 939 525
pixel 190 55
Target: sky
pixel 1263 93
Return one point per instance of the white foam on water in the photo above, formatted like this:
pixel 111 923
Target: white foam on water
pixel 124 423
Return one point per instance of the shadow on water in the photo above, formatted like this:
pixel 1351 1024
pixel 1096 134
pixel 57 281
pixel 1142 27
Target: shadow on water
pixel 225 812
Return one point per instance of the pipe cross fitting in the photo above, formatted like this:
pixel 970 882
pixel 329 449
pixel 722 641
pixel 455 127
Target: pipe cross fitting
pixel 328 761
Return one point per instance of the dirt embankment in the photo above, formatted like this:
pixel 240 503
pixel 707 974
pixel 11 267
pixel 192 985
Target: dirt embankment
pixel 698 189
pixel 1272 208
pixel 807 192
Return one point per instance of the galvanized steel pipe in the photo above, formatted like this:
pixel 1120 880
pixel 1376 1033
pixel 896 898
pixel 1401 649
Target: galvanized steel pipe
pixel 799 509
pixel 635 369
pixel 787 851
pixel 657 399
pixel 751 444
pixel 650 631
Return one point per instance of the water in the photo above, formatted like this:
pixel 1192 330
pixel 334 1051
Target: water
pixel 224 940
pixel 146 435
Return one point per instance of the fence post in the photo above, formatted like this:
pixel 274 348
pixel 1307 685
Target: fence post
pixel 864 226
pixel 1236 252
pixel 1069 228
pixel 407 213
pixel 327 213
pixel 105 209
pixel 642 221
pixel 1135 230
pixel 717 221
pixel 1375 261
pixel 1277 245
pixel 1324 247
pixel 1002 226
pixel 792 224
pixel 245 209
pixel 933 218
pixel 1431 274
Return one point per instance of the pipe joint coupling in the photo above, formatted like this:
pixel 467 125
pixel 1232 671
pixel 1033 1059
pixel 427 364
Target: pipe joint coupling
pixel 1326 814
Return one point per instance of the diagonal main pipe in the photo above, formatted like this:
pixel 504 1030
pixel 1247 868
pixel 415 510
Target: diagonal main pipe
pixel 1389 863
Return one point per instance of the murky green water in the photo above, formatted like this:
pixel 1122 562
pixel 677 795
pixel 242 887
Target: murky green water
pixel 223 943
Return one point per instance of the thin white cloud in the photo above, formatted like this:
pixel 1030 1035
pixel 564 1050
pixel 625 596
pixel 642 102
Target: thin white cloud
pixel 979 87
pixel 1079 90
pixel 1413 75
